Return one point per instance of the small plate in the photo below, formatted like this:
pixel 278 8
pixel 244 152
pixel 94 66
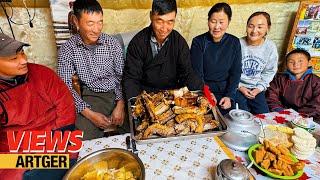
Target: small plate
pixel 309 129
pixel 281 133
pixel 254 147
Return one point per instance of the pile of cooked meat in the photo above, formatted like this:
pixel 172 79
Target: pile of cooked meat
pixel 171 113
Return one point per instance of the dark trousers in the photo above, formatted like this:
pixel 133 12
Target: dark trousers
pixel 258 105
pixel 100 102
pixel 47 174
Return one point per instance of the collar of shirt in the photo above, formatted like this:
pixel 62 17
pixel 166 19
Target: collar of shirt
pixel 209 38
pixel 154 41
pixel 293 77
pixel 101 40
pixel 6 84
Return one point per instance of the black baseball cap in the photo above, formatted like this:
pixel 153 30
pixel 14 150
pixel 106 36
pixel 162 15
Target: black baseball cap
pixel 9 46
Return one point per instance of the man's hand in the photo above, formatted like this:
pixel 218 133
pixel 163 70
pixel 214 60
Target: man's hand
pixel 225 103
pixel 118 113
pixel 98 119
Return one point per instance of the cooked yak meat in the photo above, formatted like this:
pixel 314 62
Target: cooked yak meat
pixel 172 112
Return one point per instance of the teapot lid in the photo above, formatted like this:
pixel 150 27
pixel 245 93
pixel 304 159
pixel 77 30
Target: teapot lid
pixel 241 115
pixel 233 169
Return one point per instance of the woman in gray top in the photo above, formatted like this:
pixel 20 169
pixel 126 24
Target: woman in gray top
pixel 259 64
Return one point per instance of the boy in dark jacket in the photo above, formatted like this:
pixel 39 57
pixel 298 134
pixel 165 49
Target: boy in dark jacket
pixel 297 87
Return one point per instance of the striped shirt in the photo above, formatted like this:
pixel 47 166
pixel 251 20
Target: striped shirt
pixel 99 68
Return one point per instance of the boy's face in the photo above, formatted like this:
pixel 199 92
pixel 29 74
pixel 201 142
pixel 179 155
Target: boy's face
pixel 298 64
pixel 14 65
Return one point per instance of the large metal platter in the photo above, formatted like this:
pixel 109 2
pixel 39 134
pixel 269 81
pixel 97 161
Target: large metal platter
pixel 134 122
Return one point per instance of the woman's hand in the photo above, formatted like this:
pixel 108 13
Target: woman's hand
pixel 225 103
pixel 247 92
pixel 254 92
pixel 214 98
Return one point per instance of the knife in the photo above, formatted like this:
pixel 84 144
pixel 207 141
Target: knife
pixel 128 143
pixel 134 147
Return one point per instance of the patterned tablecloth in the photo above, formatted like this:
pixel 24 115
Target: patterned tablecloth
pixel 196 158
pixel 312 168
pixel 183 159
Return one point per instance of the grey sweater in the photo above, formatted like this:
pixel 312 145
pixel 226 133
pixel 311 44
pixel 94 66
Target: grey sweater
pixel 259 64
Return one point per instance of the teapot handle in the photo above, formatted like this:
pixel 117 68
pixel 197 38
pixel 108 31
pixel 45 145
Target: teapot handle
pixel 250 165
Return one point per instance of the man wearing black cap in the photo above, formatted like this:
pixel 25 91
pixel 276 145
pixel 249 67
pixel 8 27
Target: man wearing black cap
pixel 32 97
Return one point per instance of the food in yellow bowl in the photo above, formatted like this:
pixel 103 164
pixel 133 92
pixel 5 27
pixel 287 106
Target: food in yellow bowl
pixel 112 163
pixel 101 171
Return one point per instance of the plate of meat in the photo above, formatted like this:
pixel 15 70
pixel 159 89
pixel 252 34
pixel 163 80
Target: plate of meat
pixel 173 114
pixel 275 161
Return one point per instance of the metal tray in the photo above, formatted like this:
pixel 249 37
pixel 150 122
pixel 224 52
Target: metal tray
pixel 134 122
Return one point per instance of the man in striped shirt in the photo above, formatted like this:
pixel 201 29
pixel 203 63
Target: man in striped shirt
pixel 98 61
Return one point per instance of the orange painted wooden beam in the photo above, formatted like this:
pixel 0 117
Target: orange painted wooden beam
pixel 145 4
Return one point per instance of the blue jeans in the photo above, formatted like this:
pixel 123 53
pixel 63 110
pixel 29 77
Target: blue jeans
pixel 258 105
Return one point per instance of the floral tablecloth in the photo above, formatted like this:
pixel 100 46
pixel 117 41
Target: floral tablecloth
pixel 196 158
pixel 182 159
